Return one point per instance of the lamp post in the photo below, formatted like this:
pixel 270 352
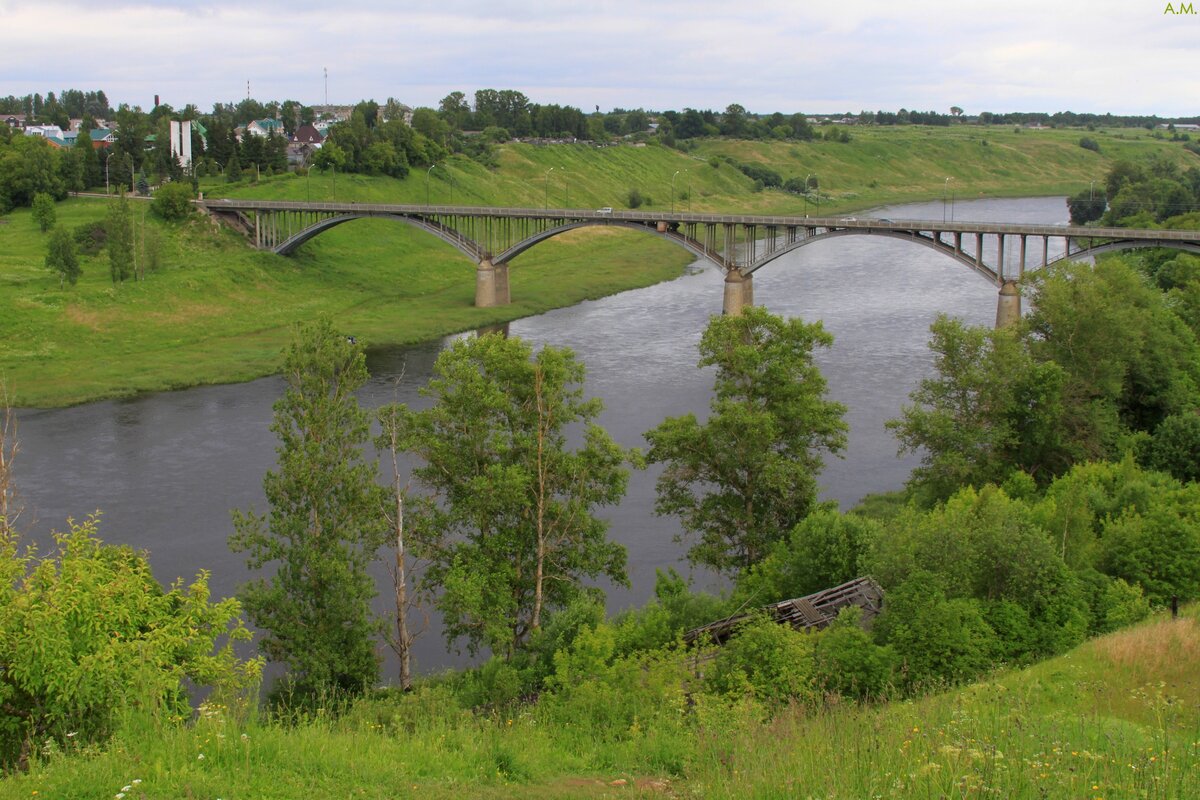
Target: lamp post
pixel 106 158
pixel 806 177
pixel 1092 191
pixel 689 192
pixel 566 189
pixel 546 198
pixel 673 191
pixel 431 166
pixel 945 194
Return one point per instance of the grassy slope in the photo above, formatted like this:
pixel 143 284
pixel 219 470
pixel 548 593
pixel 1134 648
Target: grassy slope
pixel 1118 717
pixel 221 312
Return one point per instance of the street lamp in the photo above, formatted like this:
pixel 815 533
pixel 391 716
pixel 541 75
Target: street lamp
pixel 945 194
pixel 806 177
pixel 566 189
pixel 546 199
pixel 106 158
pixel 673 191
pixel 1092 191
pixel 431 166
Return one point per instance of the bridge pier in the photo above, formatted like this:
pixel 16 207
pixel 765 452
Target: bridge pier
pixel 502 296
pixel 738 293
pixel 485 284
pixel 1008 305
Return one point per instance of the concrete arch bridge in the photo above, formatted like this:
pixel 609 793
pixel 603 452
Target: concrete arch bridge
pixel 739 244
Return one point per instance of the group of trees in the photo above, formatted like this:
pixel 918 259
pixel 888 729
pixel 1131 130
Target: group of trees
pixel 1152 193
pixel 503 509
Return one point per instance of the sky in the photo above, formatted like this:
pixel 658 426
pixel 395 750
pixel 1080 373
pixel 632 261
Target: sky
pixel 815 56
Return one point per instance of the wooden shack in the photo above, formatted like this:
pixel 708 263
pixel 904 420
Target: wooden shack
pixel 812 612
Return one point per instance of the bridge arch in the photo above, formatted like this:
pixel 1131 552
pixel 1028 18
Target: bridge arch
pixel 447 235
pixel 1126 244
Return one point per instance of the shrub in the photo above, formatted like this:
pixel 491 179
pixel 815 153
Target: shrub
pixel 88 634
pixel 770 662
pixel 634 199
pixel 1175 446
pixel 173 201
pixel 90 237
pixel 846 660
pixel 1088 143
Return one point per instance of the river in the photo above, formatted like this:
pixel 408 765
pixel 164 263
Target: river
pixel 166 469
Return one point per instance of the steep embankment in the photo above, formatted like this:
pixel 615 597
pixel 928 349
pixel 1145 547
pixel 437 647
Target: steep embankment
pixel 1118 717
pixel 216 311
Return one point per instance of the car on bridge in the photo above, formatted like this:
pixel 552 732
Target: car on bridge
pixel 605 210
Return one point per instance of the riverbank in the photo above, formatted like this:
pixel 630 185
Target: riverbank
pixel 219 312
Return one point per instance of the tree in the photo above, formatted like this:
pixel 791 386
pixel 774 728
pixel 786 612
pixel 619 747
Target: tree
pixel 395 437
pixel 61 257
pixel 744 478
pixel 1087 206
pixel 510 514
pixel 43 211
pixel 119 223
pixel 989 410
pixel 324 524
pixel 173 201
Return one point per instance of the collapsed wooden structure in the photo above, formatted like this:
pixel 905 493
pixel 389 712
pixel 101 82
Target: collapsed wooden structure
pixel 811 612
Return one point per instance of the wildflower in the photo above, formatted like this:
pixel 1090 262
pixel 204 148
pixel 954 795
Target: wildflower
pixel 136 781
pixel 119 795
pixel 126 787
pixel 200 757
pixel 245 738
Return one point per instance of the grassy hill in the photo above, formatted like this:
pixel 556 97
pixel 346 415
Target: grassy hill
pixel 1118 717
pixel 220 312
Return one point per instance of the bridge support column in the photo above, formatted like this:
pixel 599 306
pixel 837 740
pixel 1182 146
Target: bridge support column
pixel 485 284
pixel 502 295
pixel 748 289
pixel 736 286
pixel 1008 305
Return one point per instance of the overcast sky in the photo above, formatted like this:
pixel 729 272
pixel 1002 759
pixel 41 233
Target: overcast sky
pixel 1123 56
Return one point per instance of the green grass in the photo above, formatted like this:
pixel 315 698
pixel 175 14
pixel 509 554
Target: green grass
pixel 1118 717
pixel 220 312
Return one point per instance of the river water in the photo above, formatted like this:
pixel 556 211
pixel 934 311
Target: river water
pixel 166 469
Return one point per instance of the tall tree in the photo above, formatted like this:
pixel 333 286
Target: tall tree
pixel 744 478
pixel 324 524
pixel 511 508
pixel 119 225
pixel 991 408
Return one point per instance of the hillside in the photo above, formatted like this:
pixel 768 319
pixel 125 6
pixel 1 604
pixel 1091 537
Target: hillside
pixel 1118 717
pixel 217 311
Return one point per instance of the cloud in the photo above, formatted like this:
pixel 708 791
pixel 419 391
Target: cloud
pixel 765 54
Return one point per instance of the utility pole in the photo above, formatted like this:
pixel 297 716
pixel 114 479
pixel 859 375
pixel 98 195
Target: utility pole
pixel 326 85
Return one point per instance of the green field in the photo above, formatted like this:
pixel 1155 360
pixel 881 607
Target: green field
pixel 1116 718
pixel 220 312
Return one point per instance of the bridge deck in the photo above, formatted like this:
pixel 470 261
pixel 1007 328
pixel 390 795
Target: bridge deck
pixel 643 217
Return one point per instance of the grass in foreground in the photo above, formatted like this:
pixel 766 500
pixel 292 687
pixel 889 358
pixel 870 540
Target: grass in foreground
pixel 1118 717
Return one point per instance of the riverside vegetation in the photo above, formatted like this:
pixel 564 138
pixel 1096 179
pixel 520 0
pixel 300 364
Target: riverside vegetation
pixel 212 310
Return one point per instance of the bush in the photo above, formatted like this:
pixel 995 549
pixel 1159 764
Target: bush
pixel 90 237
pixel 173 201
pixel 847 661
pixel 822 551
pixel 88 634
pixel 767 661
pixel 1088 143
pixel 635 199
